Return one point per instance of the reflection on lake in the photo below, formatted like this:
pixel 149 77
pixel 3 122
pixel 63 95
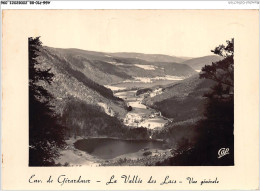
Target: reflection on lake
pixel 108 148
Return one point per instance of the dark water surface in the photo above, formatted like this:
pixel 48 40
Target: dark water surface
pixel 108 148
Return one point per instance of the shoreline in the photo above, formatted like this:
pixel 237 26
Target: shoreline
pixel 117 138
pixel 70 156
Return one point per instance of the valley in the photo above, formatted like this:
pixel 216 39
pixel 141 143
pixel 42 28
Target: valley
pixel 140 115
pixel 120 99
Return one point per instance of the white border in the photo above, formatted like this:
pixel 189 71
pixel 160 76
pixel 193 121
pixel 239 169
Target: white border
pixel 254 4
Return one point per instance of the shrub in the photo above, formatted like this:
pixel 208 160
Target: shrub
pixel 147 153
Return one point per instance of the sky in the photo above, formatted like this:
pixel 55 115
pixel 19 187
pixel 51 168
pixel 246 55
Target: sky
pixel 187 33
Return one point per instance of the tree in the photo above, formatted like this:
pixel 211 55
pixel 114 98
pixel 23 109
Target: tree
pixel 222 71
pixel 46 134
pixel 220 108
pixel 129 108
pixel 218 126
pixel 216 130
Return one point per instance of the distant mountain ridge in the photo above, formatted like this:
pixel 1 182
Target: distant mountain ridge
pixel 198 63
pixel 141 56
pixel 107 68
pixel 150 57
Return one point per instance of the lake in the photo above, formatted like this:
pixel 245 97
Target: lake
pixel 108 148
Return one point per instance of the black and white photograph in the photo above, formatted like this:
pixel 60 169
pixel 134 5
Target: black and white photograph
pixel 132 88
pixel 134 95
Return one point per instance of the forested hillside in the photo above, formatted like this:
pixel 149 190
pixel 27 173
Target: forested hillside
pixel 182 101
pixel 199 63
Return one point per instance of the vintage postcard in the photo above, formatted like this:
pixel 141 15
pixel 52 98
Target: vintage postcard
pixel 130 99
